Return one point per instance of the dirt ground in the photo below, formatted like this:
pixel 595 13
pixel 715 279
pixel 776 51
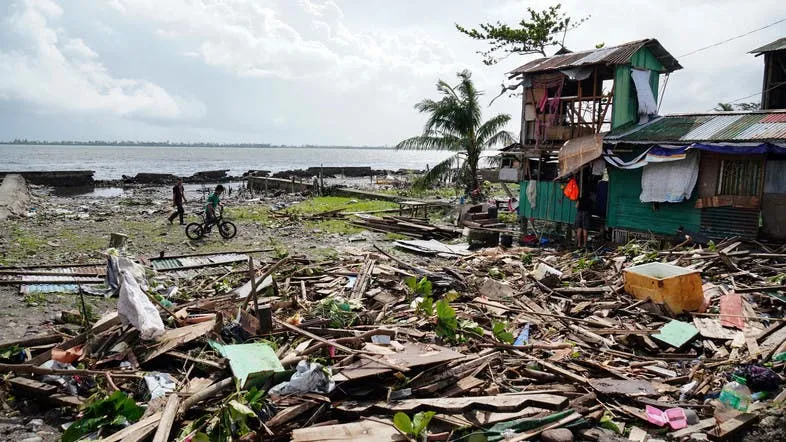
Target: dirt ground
pixel 75 229
pixel 63 229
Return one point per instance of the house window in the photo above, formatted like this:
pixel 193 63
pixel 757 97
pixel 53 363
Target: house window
pixel 741 177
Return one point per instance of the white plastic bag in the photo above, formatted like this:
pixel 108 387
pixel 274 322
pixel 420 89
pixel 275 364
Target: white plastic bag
pixel 308 378
pixel 134 308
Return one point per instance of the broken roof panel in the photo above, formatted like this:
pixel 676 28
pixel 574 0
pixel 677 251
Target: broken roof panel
pixel 713 127
pixel 606 56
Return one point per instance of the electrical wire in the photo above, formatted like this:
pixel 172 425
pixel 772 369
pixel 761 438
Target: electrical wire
pixel 732 38
pixel 776 85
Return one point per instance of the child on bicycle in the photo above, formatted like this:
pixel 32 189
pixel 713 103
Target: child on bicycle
pixel 213 201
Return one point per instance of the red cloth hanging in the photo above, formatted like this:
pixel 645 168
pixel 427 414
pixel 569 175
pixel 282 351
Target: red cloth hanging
pixel 571 190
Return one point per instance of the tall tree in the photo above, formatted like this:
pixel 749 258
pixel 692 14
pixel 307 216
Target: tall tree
pixel 455 123
pixel 724 107
pixel 533 35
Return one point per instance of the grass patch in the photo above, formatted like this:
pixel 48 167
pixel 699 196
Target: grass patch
pixel 24 243
pixel 328 203
pixel 248 213
pixel 392 236
pixel 340 226
pixel 35 298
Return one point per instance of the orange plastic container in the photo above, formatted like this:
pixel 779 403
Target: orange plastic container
pixel 676 287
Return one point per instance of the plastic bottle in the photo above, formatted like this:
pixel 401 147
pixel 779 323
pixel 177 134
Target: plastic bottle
pixel 734 399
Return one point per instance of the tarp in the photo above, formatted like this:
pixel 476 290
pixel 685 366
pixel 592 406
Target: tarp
pixel 667 152
pixel 670 182
pixel 577 152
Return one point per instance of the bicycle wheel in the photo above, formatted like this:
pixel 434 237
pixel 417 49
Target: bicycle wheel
pixel 227 229
pixel 194 231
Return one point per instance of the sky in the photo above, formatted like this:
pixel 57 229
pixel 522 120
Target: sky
pixel 324 72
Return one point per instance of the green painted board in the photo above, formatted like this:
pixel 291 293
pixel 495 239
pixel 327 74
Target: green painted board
pixel 550 203
pixel 625 108
pixel 249 362
pixel 626 211
pixel 677 333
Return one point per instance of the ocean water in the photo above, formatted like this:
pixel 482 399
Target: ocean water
pixel 112 162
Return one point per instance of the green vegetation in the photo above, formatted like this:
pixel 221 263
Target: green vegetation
pixel 455 123
pixel 499 329
pixel 117 410
pixel 248 213
pixel 327 203
pixel 543 29
pixel 417 427
pixel 339 226
pixel 391 236
pixel 34 298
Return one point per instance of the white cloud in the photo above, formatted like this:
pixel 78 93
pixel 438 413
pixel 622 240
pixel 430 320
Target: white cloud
pixel 57 73
pixel 291 40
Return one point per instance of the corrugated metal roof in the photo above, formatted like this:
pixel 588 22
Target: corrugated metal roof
pixel 607 56
pixel 715 127
pixel 197 261
pixel 48 288
pixel 777 45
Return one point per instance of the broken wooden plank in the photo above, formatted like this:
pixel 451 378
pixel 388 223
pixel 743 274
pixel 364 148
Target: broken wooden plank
pixel 167 419
pixel 363 431
pixel 731 428
pixel 731 311
pixel 173 338
pixel 630 387
pixel 500 403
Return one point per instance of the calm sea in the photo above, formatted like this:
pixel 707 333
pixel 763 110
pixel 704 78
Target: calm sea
pixel 111 162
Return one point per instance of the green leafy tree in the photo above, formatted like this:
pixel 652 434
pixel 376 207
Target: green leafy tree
pixel 532 36
pixel 455 123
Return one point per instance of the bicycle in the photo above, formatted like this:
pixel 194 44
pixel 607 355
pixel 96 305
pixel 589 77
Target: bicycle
pixel 197 230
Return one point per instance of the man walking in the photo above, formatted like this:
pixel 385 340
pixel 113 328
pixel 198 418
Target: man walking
pixel 178 199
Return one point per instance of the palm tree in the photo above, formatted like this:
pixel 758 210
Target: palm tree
pixel 455 123
pixel 724 107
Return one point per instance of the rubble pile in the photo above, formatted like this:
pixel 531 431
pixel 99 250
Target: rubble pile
pixel 627 343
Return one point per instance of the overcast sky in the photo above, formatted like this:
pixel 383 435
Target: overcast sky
pixel 344 72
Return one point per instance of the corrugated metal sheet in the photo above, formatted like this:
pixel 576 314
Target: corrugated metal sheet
pixel 48 288
pixel 197 261
pixel 774 118
pixel 608 56
pixel 764 131
pixel 625 209
pixel 777 45
pixel 726 222
pixel 715 127
pixel 550 203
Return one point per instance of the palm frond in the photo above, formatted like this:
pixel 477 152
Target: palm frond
pixel 502 137
pixel 426 142
pixel 436 173
pixel 491 127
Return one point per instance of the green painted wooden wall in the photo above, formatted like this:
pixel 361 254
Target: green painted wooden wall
pixel 625 105
pixel 550 203
pixel 628 212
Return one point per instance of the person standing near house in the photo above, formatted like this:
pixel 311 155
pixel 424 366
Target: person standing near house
pixel 178 199
pixel 583 218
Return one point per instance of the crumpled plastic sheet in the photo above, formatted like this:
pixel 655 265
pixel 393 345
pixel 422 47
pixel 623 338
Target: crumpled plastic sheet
pixel 135 308
pixel 159 384
pixel 308 378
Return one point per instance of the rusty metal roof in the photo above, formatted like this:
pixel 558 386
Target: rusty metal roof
pixel 711 127
pixel 777 45
pixel 608 56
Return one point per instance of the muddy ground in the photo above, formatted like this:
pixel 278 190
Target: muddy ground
pixel 76 229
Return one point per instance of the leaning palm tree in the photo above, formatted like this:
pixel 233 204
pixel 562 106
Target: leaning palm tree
pixel 455 123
